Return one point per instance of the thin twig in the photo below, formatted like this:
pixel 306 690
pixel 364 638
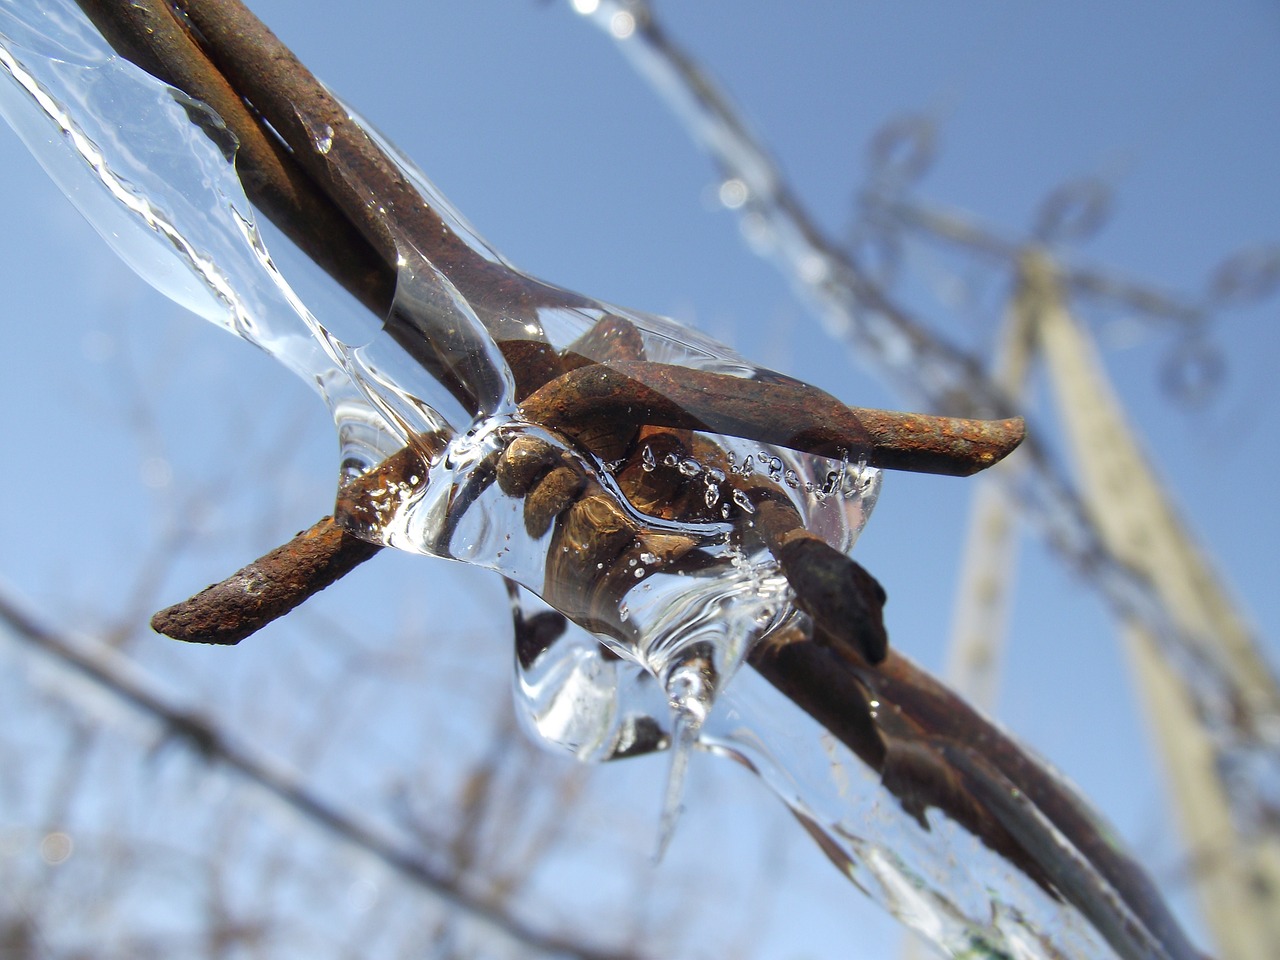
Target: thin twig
pixel 108 671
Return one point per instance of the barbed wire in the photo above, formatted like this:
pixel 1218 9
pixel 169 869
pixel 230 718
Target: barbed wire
pixel 922 365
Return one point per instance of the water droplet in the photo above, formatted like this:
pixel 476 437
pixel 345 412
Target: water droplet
pixel 712 495
pixel 734 193
pixel 860 481
pixel 743 501
pixel 647 460
pixel 690 468
pixel 56 848
pixel 670 460
pixel 622 25
pixel 323 139
pixel 793 479
pixel 813 268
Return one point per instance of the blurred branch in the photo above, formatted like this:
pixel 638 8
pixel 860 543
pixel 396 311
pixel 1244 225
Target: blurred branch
pixel 127 683
pixel 958 230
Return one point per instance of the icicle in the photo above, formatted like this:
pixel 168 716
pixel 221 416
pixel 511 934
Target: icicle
pixel 684 737
pixel 691 689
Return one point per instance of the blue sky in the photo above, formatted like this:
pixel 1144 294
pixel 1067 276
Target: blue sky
pixel 529 121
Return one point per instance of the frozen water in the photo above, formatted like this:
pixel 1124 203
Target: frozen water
pixel 626 536
pixel 643 534
pixel 1244 729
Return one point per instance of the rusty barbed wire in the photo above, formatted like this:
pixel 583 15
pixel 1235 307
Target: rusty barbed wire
pixel 294 104
pixel 893 343
pixel 920 746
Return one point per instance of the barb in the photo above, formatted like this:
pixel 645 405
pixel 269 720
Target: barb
pixel 784 412
pixel 267 589
pixel 271 586
pixel 613 399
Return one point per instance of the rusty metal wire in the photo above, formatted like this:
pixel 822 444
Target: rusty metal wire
pixel 218 46
pixel 924 366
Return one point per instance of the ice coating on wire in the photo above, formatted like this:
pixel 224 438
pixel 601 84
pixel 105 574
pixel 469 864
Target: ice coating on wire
pixel 148 167
pixel 883 337
pixel 679 598
pixel 664 587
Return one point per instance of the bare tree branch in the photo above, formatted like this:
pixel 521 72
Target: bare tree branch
pixel 124 681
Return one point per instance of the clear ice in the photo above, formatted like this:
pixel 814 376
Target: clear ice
pixel 644 537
